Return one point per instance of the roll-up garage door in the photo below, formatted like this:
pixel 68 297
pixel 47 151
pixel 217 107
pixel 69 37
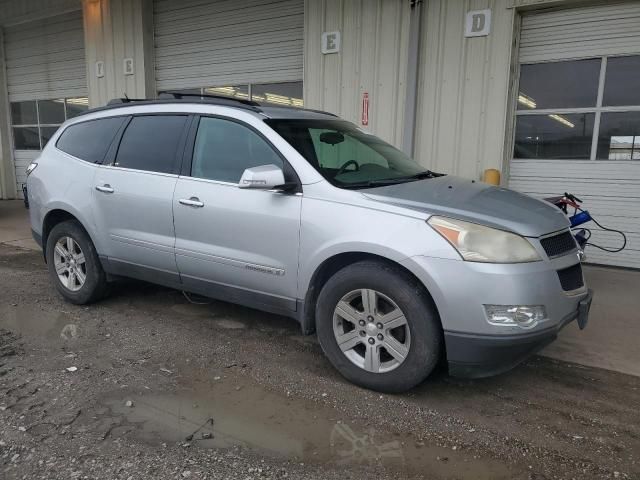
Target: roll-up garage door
pixel 202 43
pixel 577 126
pixel 46 81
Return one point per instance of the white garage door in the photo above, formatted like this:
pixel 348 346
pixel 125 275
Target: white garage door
pixel 578 117
pixel 46 82
pixel 230 46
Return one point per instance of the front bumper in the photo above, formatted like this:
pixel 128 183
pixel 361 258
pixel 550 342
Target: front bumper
pixel 476 348
pixel 476 356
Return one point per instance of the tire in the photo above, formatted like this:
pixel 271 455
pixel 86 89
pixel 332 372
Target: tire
pixel 420 336
pixel 94 286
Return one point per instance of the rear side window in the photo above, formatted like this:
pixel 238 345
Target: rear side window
pixel 90 140
pixel 151 142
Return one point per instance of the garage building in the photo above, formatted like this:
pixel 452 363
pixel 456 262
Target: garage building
pixel 545 91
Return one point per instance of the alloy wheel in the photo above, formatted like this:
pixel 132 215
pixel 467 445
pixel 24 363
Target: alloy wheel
pixel 70 263
pixel 371 330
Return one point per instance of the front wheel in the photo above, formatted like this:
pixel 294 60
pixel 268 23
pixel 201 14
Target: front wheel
pixel 378 326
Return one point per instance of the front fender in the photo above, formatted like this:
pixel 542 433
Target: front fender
pixel 329 229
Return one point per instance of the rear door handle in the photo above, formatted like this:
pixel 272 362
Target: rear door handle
pixel 106 188
pixel 192 202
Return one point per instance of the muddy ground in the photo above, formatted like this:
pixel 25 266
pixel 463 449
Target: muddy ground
pixel 163 388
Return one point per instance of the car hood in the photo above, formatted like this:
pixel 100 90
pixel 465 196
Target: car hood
pixel 474 202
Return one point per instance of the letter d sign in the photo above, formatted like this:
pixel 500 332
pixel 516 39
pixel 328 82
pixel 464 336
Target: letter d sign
pixel 478 23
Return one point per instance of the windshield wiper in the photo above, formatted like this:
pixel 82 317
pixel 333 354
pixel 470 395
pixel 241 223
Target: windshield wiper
pixel 393 181
pixel 425 174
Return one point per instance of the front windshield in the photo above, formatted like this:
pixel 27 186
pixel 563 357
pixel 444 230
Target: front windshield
pixel 345 155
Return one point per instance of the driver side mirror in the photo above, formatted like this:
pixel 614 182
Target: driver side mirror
pixel 264 177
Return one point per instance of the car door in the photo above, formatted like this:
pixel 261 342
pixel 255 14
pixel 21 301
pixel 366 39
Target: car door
pixel 133 197
pixel 232 243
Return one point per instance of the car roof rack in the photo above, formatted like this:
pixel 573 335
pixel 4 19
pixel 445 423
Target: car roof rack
pixel 177 96
pixel 119 101
pixel 202 96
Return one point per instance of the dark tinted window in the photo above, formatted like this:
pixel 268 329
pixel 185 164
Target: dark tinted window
pixel 150 143
pixel 621 82
pixel 224 149
pixel 89 140
pixel 559 84
pixel 554 136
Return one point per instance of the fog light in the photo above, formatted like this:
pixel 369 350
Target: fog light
pixel 525 316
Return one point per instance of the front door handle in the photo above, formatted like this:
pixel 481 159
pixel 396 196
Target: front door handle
pixel 106 188
pixel 192 202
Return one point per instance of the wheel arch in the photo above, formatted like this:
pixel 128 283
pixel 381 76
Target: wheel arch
pixel 54 217
pixel 333 264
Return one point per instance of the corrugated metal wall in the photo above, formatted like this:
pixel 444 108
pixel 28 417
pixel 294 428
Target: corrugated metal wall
pixel 15 11
pixel 227 42
pixel 463 88
pixel 373 59
pixel 45 58
pixel 584 32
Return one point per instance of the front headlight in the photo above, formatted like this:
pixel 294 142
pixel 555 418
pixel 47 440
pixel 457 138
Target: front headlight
pixel 477 243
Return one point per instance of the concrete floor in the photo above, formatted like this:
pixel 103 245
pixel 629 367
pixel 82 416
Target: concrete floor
pixel 14 225
pixel 610 340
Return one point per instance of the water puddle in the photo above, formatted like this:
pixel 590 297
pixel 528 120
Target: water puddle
pixel 34 320
pixel 228 414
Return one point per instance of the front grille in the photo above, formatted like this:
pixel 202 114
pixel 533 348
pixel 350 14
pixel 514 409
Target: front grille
pixel 571 278
pixel 559 244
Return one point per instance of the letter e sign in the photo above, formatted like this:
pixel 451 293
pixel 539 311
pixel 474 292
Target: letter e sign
pixel 330 42
pixel 478 23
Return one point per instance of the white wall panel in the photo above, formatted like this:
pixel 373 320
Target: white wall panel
pixel 373 59
pixel 212 43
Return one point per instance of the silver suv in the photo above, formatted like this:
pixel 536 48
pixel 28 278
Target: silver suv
pixel 303 214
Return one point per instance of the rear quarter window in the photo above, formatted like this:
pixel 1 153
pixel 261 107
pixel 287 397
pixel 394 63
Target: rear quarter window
pixel 90 140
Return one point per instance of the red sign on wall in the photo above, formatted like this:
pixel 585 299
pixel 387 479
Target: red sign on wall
pixel 365 108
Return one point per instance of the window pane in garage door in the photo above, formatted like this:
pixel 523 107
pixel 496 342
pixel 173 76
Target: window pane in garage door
pixel 26 138
pixel 559 84
pixel 287 94
pixel 51 111
pixel 622 81
pixel 24 113
pixel 76 106
pixel 565 136
pixel 238 91
pixel 46 133
pixel 619 137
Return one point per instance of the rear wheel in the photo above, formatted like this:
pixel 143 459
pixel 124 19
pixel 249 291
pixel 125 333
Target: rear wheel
pixel 73 264
pixel 378 326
